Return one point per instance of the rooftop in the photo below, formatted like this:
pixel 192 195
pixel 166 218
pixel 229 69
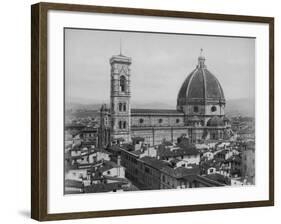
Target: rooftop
pixel 218 178
pixel 155 163
pixel 181 172
pixel 185 144
pixel 235 158
pixel 103 187
pixel 167 152
pixel 137 152
pixel 167 143
pixel 211 163
pixel 208 181
pixel 107 165
pixel 246 131
pixel 141 139
pixel 102 151
pixel 114 148
pixel 73 184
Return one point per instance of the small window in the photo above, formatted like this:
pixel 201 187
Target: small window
pixel 141 121
pixel 177 120
pixel 120 106
pixel 195 109
pixel 213 109
pixel 120 124
pixel 160 121
pixel 124 125
pixel 124 107
pixel 146 169
pixel 122 83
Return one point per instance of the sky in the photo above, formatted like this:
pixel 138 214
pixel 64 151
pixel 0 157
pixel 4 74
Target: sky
pixel 160 64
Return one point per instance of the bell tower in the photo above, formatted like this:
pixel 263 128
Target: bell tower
pixel 120 98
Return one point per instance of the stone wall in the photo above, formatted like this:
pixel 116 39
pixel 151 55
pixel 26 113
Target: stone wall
pixel 204 110
pixel 148 120
pixel 155 136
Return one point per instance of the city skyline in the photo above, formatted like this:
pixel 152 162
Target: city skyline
pixel 193 144
pixel 154 67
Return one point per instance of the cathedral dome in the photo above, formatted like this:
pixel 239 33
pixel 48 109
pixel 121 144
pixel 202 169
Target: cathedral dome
pixel 215 122
pixel 226 119
pixel 200 87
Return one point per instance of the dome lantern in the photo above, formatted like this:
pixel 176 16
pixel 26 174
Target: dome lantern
pixel 201 59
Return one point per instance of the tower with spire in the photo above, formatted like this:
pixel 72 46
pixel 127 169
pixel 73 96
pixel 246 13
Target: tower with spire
pixel 120 96
pixel 200 112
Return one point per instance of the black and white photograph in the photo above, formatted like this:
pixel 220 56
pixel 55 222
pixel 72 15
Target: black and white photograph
pixel 157 111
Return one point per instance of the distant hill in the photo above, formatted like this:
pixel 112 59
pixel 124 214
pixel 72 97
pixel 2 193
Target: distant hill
pixel 153 105
pixel 234 107
pixel 80 106
pixel 76 110
pixel 240 107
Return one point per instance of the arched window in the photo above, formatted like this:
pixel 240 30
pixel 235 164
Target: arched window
pixel 120 124
pixel 195 109
pixel 120 106
pixel 124 125
pixel 122 83
pixel 141 121
pixel 177 120
pixel 124 107
pixel 213 108
pixel 160 121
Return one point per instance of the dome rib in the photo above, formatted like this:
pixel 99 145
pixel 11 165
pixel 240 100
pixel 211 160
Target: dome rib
pixel 205 85
pixel 222 93
pixel 190 81
pixel 196 85
pixel 200 86
pixel 214 81
pixel 185 85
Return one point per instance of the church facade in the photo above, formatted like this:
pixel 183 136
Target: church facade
pixel 199 114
